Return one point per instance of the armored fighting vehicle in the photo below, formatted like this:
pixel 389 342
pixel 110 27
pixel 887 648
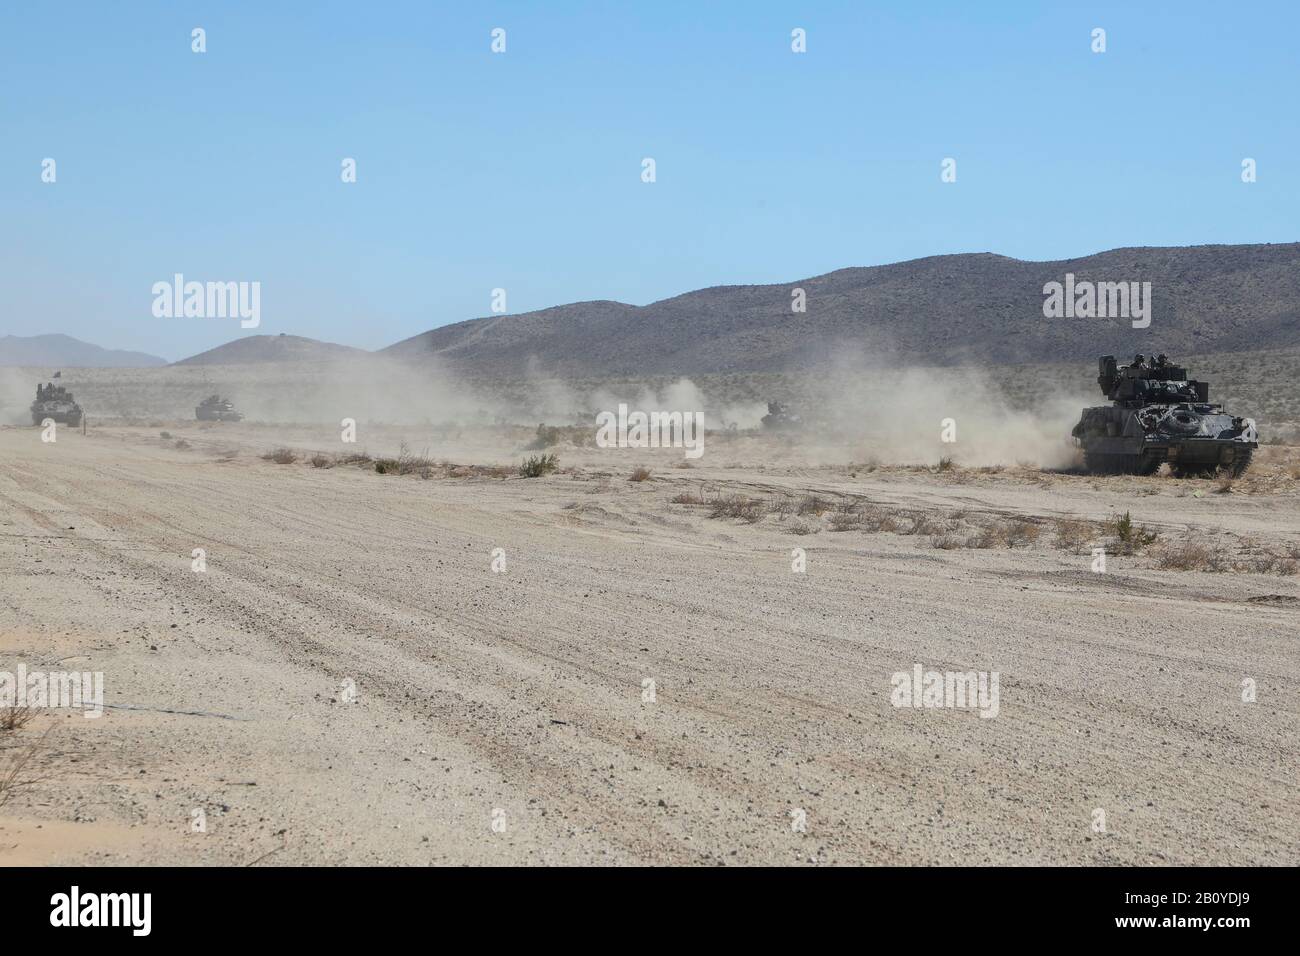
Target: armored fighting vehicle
pixel 216 409
pixel 779 416
pixel 1158 415
pixel 55 401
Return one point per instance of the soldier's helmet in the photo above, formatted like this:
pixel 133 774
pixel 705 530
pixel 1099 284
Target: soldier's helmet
pixel 1162 359
pixel 1139 359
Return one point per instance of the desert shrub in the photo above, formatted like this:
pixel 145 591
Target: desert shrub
pixel 320 461
pixel 1192 556
pixel 639 474
pixel 23 768
pixel 811 504
pixel 737 506
pixel 945 464
pixel 181 444
pixel 686 498
pixel 1021 532
pixel 15 718
pixel 947 542
pixel 539 465
pixel 166 435
pixel 924 524
pixel 800 528
pixel 846 521
pixel 281 456
pixel 405 464
pixel 879 521
pixel 1131 538
pixel 987 538
pixel 1073 533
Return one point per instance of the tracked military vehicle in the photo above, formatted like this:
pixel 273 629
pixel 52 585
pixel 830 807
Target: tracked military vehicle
pixel 1157 415
pixel 216 409
pixel 55 402
pixel 780 417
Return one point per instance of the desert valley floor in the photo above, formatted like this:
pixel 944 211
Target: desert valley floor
pixel 350 681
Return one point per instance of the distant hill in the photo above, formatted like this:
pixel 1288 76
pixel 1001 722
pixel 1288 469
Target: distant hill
pixel 959 309
pixel 256 349
pixel 63 351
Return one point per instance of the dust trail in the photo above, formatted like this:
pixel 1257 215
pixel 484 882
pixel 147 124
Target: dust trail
pixel 903 415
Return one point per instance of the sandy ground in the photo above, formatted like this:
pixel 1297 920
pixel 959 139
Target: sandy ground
pixel 518 696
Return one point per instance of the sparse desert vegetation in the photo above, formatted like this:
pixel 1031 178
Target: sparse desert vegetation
pixel 538 466
pixel 281 456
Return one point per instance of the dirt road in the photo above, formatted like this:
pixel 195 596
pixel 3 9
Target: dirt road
pixel 350 681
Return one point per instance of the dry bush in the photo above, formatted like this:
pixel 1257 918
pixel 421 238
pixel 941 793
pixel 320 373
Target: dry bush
pixel 1073 533
pixel 355 458
pixel 945 464
pixel 924 524
pixel 181 444
pixel 406 464
pixel 846 521
pixel 947 542
pixel 779 507
pixel 539 465
pixel 1021 532
pixel 1270 564
pixel 737 506
pixel 812 504
pixel 22 770
pixel 320 461
pixel 798 527
pixel 879 521
pixel 15 718
pixel 686 498
pixel 166 435
pixel 281 456
pixel 639 474
pixel 1192 556
pixel 991 537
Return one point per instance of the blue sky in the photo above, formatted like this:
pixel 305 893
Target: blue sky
pixel 523 170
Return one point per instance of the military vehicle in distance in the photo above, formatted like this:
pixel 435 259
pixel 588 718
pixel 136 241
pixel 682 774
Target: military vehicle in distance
pixel 55 402
pixel 1158 415
pixel 779 416
pixel 216 409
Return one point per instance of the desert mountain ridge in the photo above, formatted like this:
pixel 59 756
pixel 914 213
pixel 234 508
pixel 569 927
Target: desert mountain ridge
pixel 63 351
pixel 970 308
pixel 962 309
pixel 259 349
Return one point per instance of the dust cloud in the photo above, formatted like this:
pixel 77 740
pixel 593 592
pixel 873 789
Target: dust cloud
pixel 900 416
pixel 853 410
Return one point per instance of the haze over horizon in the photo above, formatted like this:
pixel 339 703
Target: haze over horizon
pixel 522 170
